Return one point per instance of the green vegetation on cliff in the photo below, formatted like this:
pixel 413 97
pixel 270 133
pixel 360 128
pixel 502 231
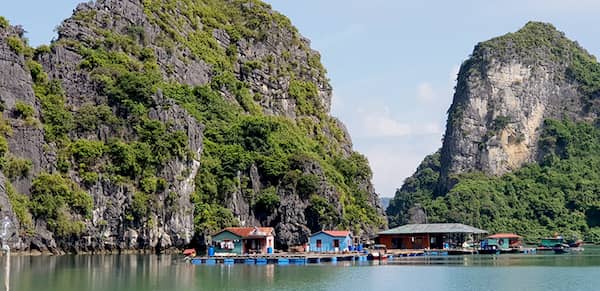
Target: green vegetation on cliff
pixel 238 135
pixel 235 140
pixel 559 192
pixel 558 195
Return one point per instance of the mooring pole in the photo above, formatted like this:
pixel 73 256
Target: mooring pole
pixel 6 250
pixel 7 271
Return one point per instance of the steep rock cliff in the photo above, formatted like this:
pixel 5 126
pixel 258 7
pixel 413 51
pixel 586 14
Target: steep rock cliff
pixel 151 124
pixel 518 153
pixel 505 91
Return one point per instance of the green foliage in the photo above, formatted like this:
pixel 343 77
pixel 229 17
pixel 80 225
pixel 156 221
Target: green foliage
pixel 416 189
pixel 558 195
pixel 307 185
pixel 60 202
pixel 20 206
pixel 141 205
pixel 42 49
pixel 500 123
pixel 15 168
pixel 234 141
pixel 3 148
pixel 24 110
pixel 267 201
pixel 56 117
pixel 210 218
pixel 88 152
pixel 16 44
pixel 90 117
pixel 37 72
pixel 133 87
pixel 306 95
pixel 237 136
pixel 153 185
pixel 4 22
pixel 321 215
pixel 585 69
pixel 89 178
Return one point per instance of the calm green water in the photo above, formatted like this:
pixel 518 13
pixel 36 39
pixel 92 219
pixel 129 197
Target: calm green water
pixel 137 272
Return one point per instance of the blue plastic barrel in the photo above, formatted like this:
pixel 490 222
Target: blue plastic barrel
pixel 269 250
pixel 360 247
pixel 211 251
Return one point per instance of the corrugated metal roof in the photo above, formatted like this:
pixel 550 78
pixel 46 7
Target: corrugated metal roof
pixel 434 228
pixel 248 231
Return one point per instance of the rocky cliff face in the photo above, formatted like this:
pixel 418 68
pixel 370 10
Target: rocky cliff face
pixel 509 92
pixel 505 91
pixel 151 124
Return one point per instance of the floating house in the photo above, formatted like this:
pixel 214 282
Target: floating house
pixel 244 240
pixel 327 241
pixel 429 236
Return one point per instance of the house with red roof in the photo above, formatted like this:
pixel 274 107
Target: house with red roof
pixel 329 241
pixel 244 240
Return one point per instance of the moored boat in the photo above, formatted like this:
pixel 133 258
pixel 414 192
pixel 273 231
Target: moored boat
pixel 548 244
pixel 378 252
pixel 501 243
pixel 558 242
pixel 561 249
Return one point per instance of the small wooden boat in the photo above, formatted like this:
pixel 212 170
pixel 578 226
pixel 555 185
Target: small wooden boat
pixel 561 249
pixel 378 252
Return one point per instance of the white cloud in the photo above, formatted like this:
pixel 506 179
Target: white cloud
pixel 425 92
pixel 393 163
pixel 381 124
pixel 431 128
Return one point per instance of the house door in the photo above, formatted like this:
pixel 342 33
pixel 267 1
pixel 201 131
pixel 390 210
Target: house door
pixel 418 243
pixel 397 243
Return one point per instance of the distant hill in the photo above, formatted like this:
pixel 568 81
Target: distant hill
pixel 385 202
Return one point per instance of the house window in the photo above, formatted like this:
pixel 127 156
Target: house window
pixel 336 243
pixel 319 243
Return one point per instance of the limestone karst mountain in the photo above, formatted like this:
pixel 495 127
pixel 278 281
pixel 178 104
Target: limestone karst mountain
pixel 151 124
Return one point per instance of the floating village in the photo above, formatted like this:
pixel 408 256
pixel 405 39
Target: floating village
pixel 255 245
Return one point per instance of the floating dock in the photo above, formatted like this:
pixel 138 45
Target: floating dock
pixel 280 259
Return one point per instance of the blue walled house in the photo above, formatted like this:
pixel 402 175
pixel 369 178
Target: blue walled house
pixel 330 241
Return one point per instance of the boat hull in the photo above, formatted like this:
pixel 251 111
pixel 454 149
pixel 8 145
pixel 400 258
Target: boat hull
pixel 498 251
pixel 560 251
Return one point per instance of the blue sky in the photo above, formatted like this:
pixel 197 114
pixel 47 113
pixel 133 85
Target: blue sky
pixel 392 63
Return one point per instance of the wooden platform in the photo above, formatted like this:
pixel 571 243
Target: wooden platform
pixel 430 252
pixel 280 258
